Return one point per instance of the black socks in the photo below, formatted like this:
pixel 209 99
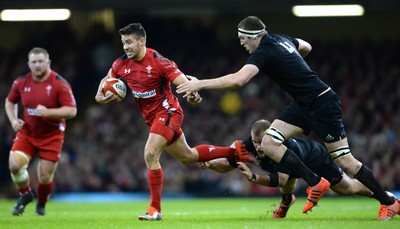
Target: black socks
pixel 291 161
pixel 365 176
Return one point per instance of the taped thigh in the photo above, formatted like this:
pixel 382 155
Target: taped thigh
pixel 275 134
pixel 340 152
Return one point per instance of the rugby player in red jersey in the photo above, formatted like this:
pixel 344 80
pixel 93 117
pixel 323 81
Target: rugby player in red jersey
pixel 149 76
pixel 48 101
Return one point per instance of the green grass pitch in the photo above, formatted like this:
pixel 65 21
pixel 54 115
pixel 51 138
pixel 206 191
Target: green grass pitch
pixel 225 213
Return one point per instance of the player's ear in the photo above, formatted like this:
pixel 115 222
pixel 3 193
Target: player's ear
pixel 142 41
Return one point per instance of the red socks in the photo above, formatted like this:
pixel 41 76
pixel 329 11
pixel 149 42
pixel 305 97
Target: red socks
pixel 24 190
pixel 209 152
pixel 155 179
pixel 43 192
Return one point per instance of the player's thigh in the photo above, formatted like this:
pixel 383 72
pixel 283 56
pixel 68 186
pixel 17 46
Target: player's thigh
pixel 21 152
pixel 291 121
pixel 49 148
pixel 155 144
pixel 46 170
pixel 288 130
pixel 168 124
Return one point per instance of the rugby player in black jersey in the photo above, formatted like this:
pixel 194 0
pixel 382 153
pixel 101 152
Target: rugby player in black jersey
pixel 312 154
pixel 315 106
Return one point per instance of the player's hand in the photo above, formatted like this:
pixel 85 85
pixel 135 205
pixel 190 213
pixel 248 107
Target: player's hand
pixel 42 111
pixel 190 87
pixel 245 170
pixel 194 98
pixel 204 165
pixel 111 98
pixel 17 124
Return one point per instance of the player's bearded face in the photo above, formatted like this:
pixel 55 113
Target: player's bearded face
pixel 39 64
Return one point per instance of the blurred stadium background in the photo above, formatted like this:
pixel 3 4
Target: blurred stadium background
pixel 357 56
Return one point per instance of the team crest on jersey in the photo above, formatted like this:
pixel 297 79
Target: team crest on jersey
pixel 148 68
pixel 48 89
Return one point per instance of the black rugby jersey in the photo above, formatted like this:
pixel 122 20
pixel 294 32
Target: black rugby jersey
pixel 277 57
pixel 311 153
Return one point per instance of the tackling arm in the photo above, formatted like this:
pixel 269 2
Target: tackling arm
pixel 193 98
pixel 269 180
pixel 220 165
pixel 230 81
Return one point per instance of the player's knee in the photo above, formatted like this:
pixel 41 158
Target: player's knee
pixel 151 156
pixel 20 175
pixel 348 164
pixel 46 178
pixel 17 161
pixel 150 159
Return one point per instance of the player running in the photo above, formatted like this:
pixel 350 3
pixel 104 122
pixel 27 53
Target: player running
pixel 149 75
pixel 48 100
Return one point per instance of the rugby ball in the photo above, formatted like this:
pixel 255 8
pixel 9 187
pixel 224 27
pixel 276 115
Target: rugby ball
pixel 114 86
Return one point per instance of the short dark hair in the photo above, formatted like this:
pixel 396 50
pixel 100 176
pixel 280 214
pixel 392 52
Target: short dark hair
pixel 260 126
pixel 135 29
pixel 38 50
pixel 251 23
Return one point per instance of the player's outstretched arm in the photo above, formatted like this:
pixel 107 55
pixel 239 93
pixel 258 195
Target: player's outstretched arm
pixel 269 180
pixel 192 98
pixel 220 165
pixel 229 81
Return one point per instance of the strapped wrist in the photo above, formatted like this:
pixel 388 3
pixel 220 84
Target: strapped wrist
pixel 253 177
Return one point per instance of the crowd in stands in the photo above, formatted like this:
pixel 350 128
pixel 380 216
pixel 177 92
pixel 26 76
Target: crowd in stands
pixel 103 150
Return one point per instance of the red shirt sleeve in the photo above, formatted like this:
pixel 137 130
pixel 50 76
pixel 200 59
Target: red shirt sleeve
pixel 115 68
pixel 14 96
pixel 169 69
pixel 65 95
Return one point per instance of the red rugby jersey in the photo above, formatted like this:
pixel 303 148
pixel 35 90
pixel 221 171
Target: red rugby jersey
pixel 150 81
pixel 52 93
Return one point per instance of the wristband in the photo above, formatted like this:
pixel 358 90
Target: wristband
pixel 253 177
